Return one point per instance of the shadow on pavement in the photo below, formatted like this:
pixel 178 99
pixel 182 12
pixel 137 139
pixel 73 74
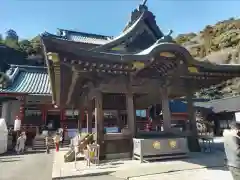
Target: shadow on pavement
pixel 9 160
pixel 14 154
pixel 87 175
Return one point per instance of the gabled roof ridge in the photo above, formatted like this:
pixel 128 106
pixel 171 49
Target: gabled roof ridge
pixel 15 70
pixel 27 66
pixel 225 98
pixel 47 34
pixel 124 34
pixel 28 80
pixel 100 36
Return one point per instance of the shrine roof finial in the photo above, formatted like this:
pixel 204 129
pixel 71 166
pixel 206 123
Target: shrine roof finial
pixel 144 2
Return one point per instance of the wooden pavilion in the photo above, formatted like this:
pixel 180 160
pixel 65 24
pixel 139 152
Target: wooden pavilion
pixel 140 67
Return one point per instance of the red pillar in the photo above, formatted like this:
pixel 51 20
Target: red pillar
pixel 22 108
pixel 44 115
pixel 21 111
pixel 62 117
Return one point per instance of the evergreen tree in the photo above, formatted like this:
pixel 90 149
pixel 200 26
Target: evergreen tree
pixel 11 39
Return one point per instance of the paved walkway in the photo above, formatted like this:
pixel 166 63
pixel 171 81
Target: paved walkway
pixel 31 166
pixel 196 174
pixel 125 169
pixel 199 166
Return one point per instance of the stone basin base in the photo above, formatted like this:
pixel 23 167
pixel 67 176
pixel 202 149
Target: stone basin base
pixel 159 148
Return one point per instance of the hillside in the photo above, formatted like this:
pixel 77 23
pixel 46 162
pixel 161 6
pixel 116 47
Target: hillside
pixel 220 44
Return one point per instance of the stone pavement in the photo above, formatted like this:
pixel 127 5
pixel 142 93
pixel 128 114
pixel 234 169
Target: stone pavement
pixel 64 170
pixel 33 165
pixel 197 174
pixel 129 169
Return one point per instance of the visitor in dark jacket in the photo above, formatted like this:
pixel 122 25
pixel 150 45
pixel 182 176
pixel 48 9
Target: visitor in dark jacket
pixel 232 149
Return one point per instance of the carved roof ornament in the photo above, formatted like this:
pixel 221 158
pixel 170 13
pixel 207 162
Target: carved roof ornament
pixel 166 38
pixel 143 7
pixel 4 80
pixel 136 14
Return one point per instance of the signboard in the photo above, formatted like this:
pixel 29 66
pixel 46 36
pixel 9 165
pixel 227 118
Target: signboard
pixel 71 112
pixel 237 117
pixel 33 112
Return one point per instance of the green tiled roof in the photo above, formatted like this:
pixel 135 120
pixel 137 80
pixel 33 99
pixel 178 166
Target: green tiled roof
pixel 28 79
pixel 229 104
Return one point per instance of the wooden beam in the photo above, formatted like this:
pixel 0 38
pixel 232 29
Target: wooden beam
pixel 75 79
pixel 121 88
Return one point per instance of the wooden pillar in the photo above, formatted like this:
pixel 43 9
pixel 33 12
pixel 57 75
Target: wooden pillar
pixel 99 126
pixel 191 114
pixel 165 109
pixel 80 118
pixel 62 112
pixel 120 122
pixel 193 143
pixel 89 116
pixel 131 113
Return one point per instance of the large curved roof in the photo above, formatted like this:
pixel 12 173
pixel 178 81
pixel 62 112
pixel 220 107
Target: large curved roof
pixel 141 27
pixel 59 45
pixel 72 66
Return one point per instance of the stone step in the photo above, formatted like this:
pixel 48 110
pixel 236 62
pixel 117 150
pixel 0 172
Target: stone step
pixel 40 144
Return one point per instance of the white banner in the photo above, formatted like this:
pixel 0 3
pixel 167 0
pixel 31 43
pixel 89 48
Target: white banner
pixel 17 125
pixel 237 117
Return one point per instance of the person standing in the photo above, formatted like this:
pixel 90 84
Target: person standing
pixel 57 141
pixel 47 141
pixel 232 149
pixel 20 147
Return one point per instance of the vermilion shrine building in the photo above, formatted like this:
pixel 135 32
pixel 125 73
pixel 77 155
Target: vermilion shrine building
pixel 101 75
pixel 140 67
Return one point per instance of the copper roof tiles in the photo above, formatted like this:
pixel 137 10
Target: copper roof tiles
pixel 29 80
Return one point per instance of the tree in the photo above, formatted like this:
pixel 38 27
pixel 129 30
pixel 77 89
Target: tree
pixel 207 37
pixel 26 46
pixel 11 34
pixel 12 44
pixel 1 38
pixel 11 39
pixel 36 44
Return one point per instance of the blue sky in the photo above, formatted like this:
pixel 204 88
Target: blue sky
pixel 31 17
